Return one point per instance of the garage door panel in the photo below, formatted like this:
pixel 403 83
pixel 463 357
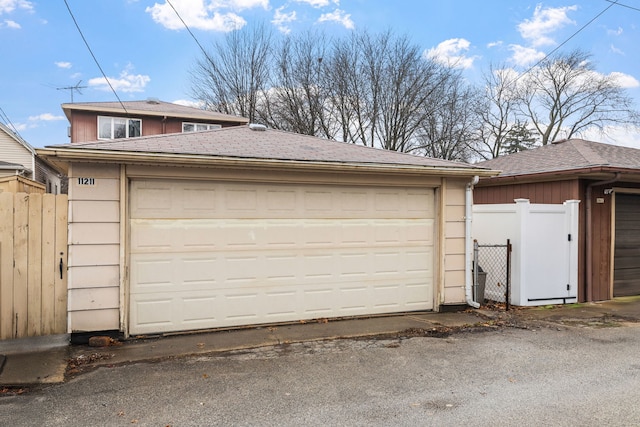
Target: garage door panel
pixel 626 275
pixel 218 254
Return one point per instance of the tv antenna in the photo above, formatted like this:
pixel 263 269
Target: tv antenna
pixel 77 88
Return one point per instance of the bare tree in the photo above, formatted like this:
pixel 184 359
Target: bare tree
pixel 497 111
pixel 296 100
pixel 449 128
pixel 231 77
pixel 411 85
pixel 566 96
pixel 379 87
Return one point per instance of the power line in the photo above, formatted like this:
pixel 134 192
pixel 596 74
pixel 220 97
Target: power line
pixel 9 124
pixel 189 30
pixel 613 3
pixel 624 5
pixel 94 58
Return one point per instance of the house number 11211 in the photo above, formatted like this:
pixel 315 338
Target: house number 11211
pixel 86 181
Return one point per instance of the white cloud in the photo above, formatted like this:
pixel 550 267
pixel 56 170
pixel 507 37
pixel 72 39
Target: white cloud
pixel 280 19
pixel 625 80
pixel 8 6
pixel 616 135
pixel 616 50
pixel 617 32
pixel 544 22
pixel 238 5
pixel 46 117
pixel 339 16
pixel 210 15
pixel 452 53
pixel 494 44
pixel 524 56
pixel 188 103
pixel 125 83
pixel 316 3
pixel 8 23
pixel 63 64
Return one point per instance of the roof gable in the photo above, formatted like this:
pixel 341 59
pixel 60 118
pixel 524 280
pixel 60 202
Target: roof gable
pixel 567 155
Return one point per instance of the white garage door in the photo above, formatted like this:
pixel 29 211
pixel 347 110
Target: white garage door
pixel 219 254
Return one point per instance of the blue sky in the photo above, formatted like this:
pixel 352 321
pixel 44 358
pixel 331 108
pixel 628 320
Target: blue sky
pixel 145 51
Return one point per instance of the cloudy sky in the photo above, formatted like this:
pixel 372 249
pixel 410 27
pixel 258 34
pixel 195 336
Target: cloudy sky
pixel 145 51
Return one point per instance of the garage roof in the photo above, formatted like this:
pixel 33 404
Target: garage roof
pixel 566 155
pixel 244 143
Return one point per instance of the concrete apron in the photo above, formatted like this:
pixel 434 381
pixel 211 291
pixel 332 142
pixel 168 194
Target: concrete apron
pixel 35 360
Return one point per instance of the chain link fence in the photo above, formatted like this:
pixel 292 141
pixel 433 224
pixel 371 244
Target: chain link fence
pixel 492 278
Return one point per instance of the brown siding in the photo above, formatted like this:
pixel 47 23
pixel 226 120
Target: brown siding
pixel 601 244
pixel 539 192
pixel 84 125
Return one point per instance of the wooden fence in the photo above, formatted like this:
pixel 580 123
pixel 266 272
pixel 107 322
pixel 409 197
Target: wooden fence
pixel 33 264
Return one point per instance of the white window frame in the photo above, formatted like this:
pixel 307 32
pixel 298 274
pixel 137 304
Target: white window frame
pixel 209 126
pixel 112 120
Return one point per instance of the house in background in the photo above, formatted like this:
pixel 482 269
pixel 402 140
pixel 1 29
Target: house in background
pixel 21 170
pixel 606 180
pixel 247 225
pixel 92 121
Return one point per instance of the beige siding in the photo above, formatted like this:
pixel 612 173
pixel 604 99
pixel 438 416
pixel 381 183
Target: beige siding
pixel 94 248
pixel 454 242
pixel 14 152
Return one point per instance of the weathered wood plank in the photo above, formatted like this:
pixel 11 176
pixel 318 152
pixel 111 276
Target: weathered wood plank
pixel 48 263
pixel 21 261
pixel 34 274
pixel 6 266
pixel 60 301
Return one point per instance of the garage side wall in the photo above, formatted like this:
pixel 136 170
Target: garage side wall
pixel 94 247
pixel 454 241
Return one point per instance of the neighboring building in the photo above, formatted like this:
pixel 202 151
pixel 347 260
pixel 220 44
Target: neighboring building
pixel 91 121
pixel 19 159
pixel 606 180
pixel 245 226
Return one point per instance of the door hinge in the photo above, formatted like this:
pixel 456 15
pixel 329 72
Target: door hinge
pixel 568 287
pixel 569 236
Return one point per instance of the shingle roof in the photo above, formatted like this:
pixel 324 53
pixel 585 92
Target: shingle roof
pixel 573 154
pixel 152 107
pixel 243 142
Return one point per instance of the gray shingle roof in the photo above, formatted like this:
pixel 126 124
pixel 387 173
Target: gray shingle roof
pixel 573 154
pixel 242 142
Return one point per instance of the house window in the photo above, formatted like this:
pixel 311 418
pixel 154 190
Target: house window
pixel 197 127
pixel 118 127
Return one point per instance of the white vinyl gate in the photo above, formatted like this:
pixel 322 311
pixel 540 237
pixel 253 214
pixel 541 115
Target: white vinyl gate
pixel 219 254
pixel 544 238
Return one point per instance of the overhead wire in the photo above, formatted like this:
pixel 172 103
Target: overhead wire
pixel 548 55
pixel 94 58
pixel 188 29
pixel 9 123
pixel 624 5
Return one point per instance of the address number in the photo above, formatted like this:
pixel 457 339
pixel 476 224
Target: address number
pixel 86 181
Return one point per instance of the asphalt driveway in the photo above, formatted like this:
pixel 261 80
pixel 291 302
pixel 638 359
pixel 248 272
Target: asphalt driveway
pixel 546 373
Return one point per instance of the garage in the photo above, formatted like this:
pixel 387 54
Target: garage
pixel 221 254
pixel 239 227
pixel 626 271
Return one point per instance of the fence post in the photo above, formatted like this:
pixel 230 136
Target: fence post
pixel 508 296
